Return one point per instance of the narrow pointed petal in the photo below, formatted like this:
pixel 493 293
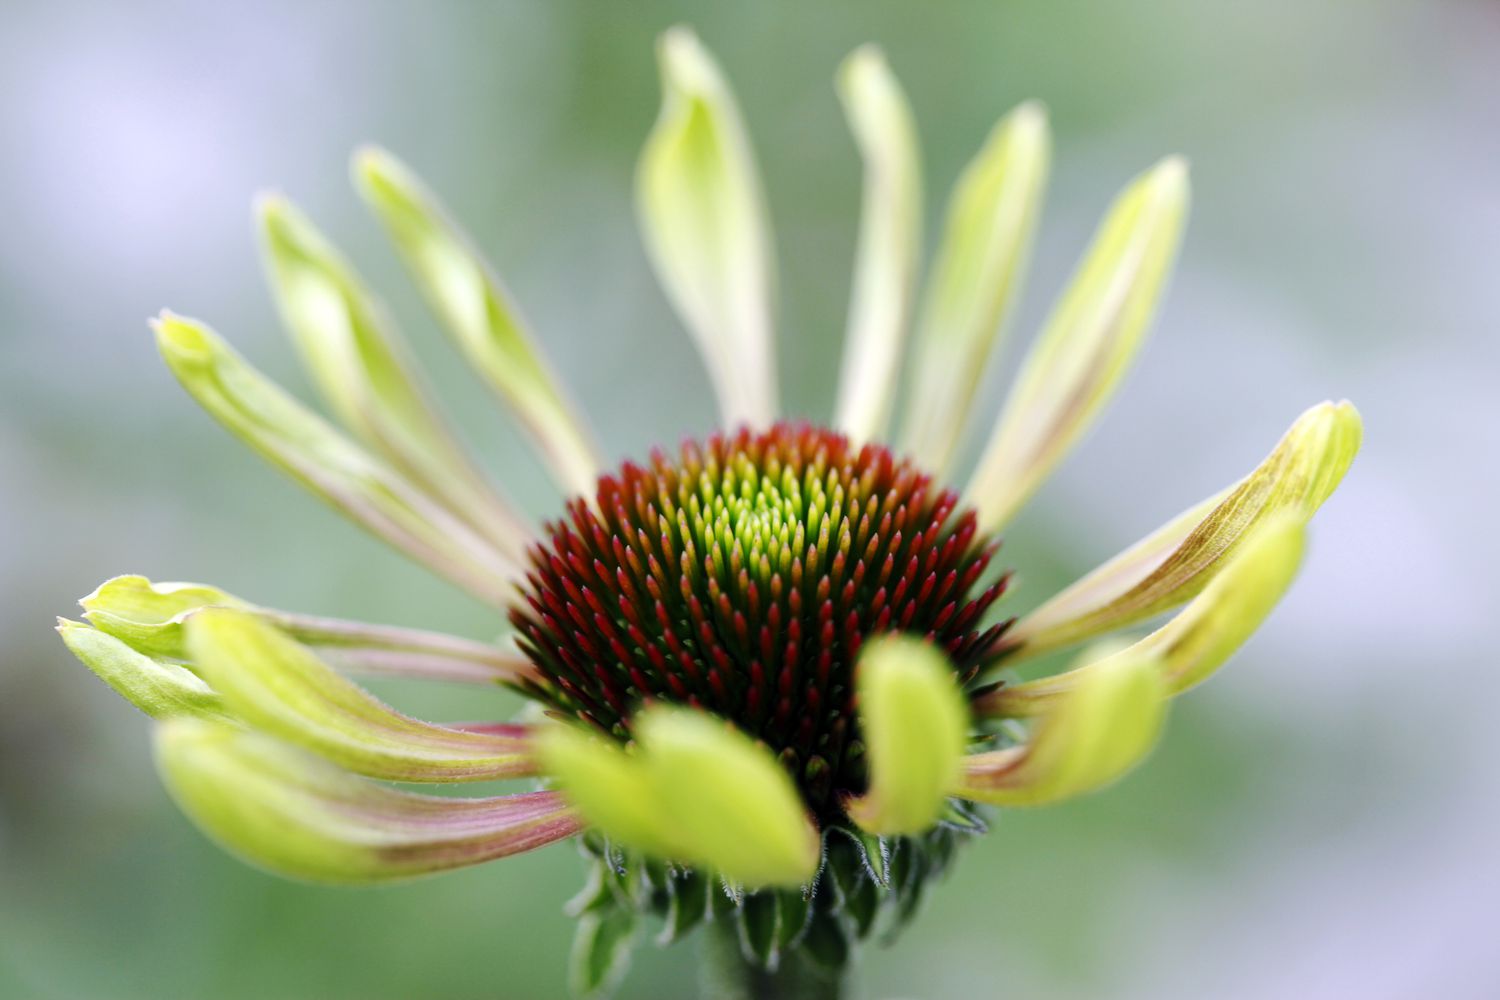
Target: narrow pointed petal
pixel 365 372
pixel 151 618
pixel 161 690
pixel 1201 637
pixel 480 316
pixel 733 807
pixel 1087 345
pixel 704 222
pixel 986 239
pixel 890 242
pixel 287 811
pixel 1090 737
pixel 318 456
pixel 610 788
pixel 1175 563
pixel 274 684
pixel 915 723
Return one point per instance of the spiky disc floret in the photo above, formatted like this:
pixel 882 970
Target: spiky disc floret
pixel 742 578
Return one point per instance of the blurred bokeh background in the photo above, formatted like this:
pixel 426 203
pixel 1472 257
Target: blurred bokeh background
pixel 1321 821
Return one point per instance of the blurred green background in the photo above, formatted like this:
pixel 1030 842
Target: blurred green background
pixel 1319 822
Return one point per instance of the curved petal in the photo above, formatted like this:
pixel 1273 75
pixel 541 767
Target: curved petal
pixel 312 452
pixel 274 684
pixel 294 814
pixel 152 618
pixel 915 723
pixel 480 316
pixel 365 372
pixel 1101 728
pixel 1087 345
pixel 1201 637
pixel 986 239
pixel 161 690
pixel 890 242
pixel 1177 561
pixel 696 790
pixel 704 221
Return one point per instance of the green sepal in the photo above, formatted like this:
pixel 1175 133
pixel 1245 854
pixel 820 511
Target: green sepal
pixel 757 923
pixel 602 946
pixel 827 942
pixel 793 912
pixel 687 905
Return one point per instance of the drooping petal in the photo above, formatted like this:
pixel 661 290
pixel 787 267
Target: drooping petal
pixel 275 684
pixel 733 805
pixel 694 790
pixel 288 811
pixel 329 464
pixel 1177 561
pixel 915 723
pixel 986 239
pixel 703 218
pixel 610 787
pixel 1091 736
pixel 1201 637
pixel 160 689
pixel 151 618
pixel 1087 345
pixel 479 315
pixel 890 242
pixel 365 372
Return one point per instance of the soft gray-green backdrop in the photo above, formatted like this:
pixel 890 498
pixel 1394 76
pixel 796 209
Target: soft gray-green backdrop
pixel 1319 822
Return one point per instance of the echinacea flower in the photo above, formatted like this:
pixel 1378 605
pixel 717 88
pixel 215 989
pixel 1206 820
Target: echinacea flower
pixel 764 663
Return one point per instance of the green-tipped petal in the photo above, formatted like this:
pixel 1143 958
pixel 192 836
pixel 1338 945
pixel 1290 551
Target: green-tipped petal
pixel 915 723
pixel 1176 562
pixel 890 240
pixel 151 617
pixel 275 684
pixel 986 239
pixel 480 316
pixel 287 811
pixel 704 222
pixel 609 787
pixel 1087 345
pixel 1201 637
pixel 161 690
pixel 315 454
pixel 366 373
pixel 1102 728
pixel 733 807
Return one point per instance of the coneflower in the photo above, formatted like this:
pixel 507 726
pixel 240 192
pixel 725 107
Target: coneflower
pixel 764 664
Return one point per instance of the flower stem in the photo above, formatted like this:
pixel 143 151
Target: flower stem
pixel 726 975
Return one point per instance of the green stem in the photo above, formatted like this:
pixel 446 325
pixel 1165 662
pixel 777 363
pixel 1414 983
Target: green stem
pixel 726 975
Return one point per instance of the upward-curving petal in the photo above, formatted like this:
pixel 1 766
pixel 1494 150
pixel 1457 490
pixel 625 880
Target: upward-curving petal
pixel 1200 638
pixel 1087 344
pixel 365 372
pixel 1175 563
pixel 273 683
pixel 915 724
pixel 695 790
pixel 704 221
pixel 986 239
pixel 288 811
pixel 159 688
pixel 480 316
pixel 1088 737
pixel 890 243
pixel 315 454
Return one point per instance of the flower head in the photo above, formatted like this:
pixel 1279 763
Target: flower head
pixel 768 660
